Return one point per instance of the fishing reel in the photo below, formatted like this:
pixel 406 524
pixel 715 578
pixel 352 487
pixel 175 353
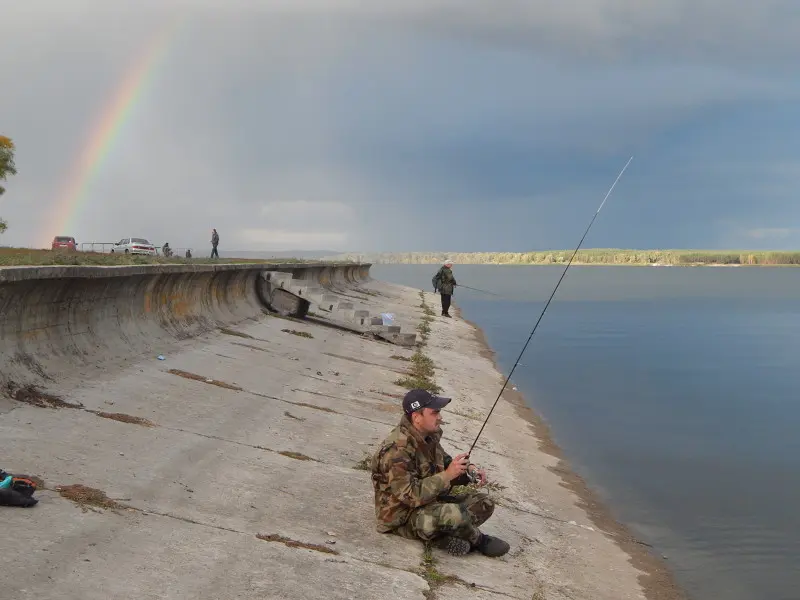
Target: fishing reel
pixel 472 474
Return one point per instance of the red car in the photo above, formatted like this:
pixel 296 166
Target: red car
pixel 64 241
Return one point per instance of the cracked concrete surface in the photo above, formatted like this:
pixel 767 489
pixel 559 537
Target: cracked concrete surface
pixel 202 483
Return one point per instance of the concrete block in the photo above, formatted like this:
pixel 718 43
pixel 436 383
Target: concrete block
pixel 386 328
pixel 400 339
pixel 317 299
pixel 361 317
pixel 346 314
pixel 329 301
pixel 338 324
pixel 305 290
pixel 278 279
pixel 286 303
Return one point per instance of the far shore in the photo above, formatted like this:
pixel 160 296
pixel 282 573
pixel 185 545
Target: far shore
pixel 590 257
pixel 590 264
pixel 10 256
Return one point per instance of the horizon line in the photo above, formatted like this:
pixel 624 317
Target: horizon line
pixel 606 249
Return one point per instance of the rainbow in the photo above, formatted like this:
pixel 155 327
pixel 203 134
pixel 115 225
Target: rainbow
pixel 105 132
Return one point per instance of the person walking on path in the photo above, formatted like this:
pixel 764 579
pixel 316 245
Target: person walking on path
pixel 445 283
pixel 214 243
pixel 412 477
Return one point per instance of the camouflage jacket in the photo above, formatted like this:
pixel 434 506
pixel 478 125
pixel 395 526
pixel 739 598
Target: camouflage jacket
pixel 407 473
pixel 447 282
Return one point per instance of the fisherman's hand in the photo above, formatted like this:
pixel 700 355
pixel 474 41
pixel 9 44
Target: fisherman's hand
pixel 458 466
pixel 479 475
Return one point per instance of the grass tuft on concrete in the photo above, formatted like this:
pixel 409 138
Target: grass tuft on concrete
pixel 538 593
pixel 418 380
pixel 271 537
pixel 424 329
pixel 467 414
pixel 422 371
pixel 233 332
pixel 208 380
pixel 490 486
pixel 303 334
pixel 364 463
pixel 30 394
pixel 87 498
pixel 123 418
pixel 411 382
pixel 315 407
pixel 432 575
pixel 295 455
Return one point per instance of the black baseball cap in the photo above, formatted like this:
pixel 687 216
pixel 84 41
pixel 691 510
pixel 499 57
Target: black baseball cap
pixel 418 399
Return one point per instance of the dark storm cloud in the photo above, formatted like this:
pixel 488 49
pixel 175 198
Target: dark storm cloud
pixel 289 124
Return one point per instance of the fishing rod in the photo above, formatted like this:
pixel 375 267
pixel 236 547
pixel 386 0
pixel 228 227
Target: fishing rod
pixel 476 289
pixel 611 189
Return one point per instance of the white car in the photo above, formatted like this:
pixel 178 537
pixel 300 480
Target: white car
pixel 134 246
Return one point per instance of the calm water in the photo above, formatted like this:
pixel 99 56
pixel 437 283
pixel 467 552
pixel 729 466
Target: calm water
pixel 676 393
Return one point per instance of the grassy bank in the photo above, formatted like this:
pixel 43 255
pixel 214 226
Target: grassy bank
pixel 16 257
pixel 598 256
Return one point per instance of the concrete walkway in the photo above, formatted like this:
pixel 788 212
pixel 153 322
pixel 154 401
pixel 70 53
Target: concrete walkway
pixel 261 434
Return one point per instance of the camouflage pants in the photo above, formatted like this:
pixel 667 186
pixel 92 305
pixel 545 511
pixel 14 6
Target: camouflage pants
pixel 459 516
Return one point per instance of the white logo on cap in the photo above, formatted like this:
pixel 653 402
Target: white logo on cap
pixel 415 405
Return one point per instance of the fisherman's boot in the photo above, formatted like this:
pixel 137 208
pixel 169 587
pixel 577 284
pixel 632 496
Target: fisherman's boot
pixel 453 545
pixel 491 546
pixel 9 497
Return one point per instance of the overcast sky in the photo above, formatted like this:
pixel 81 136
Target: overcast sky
pixel 436 125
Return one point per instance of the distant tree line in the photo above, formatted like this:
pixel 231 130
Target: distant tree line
pixel 600 256
pixel 7 168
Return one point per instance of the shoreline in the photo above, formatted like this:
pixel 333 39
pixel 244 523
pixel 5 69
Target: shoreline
pixel 657 580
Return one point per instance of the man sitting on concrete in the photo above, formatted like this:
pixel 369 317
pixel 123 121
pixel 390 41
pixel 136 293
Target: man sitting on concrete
pixel 412 475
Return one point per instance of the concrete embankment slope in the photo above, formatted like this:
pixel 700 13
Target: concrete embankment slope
pixel 53 320
pixel 231 468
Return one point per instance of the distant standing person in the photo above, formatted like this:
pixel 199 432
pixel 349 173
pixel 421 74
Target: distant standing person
pixel 214 243
pixel 444 283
